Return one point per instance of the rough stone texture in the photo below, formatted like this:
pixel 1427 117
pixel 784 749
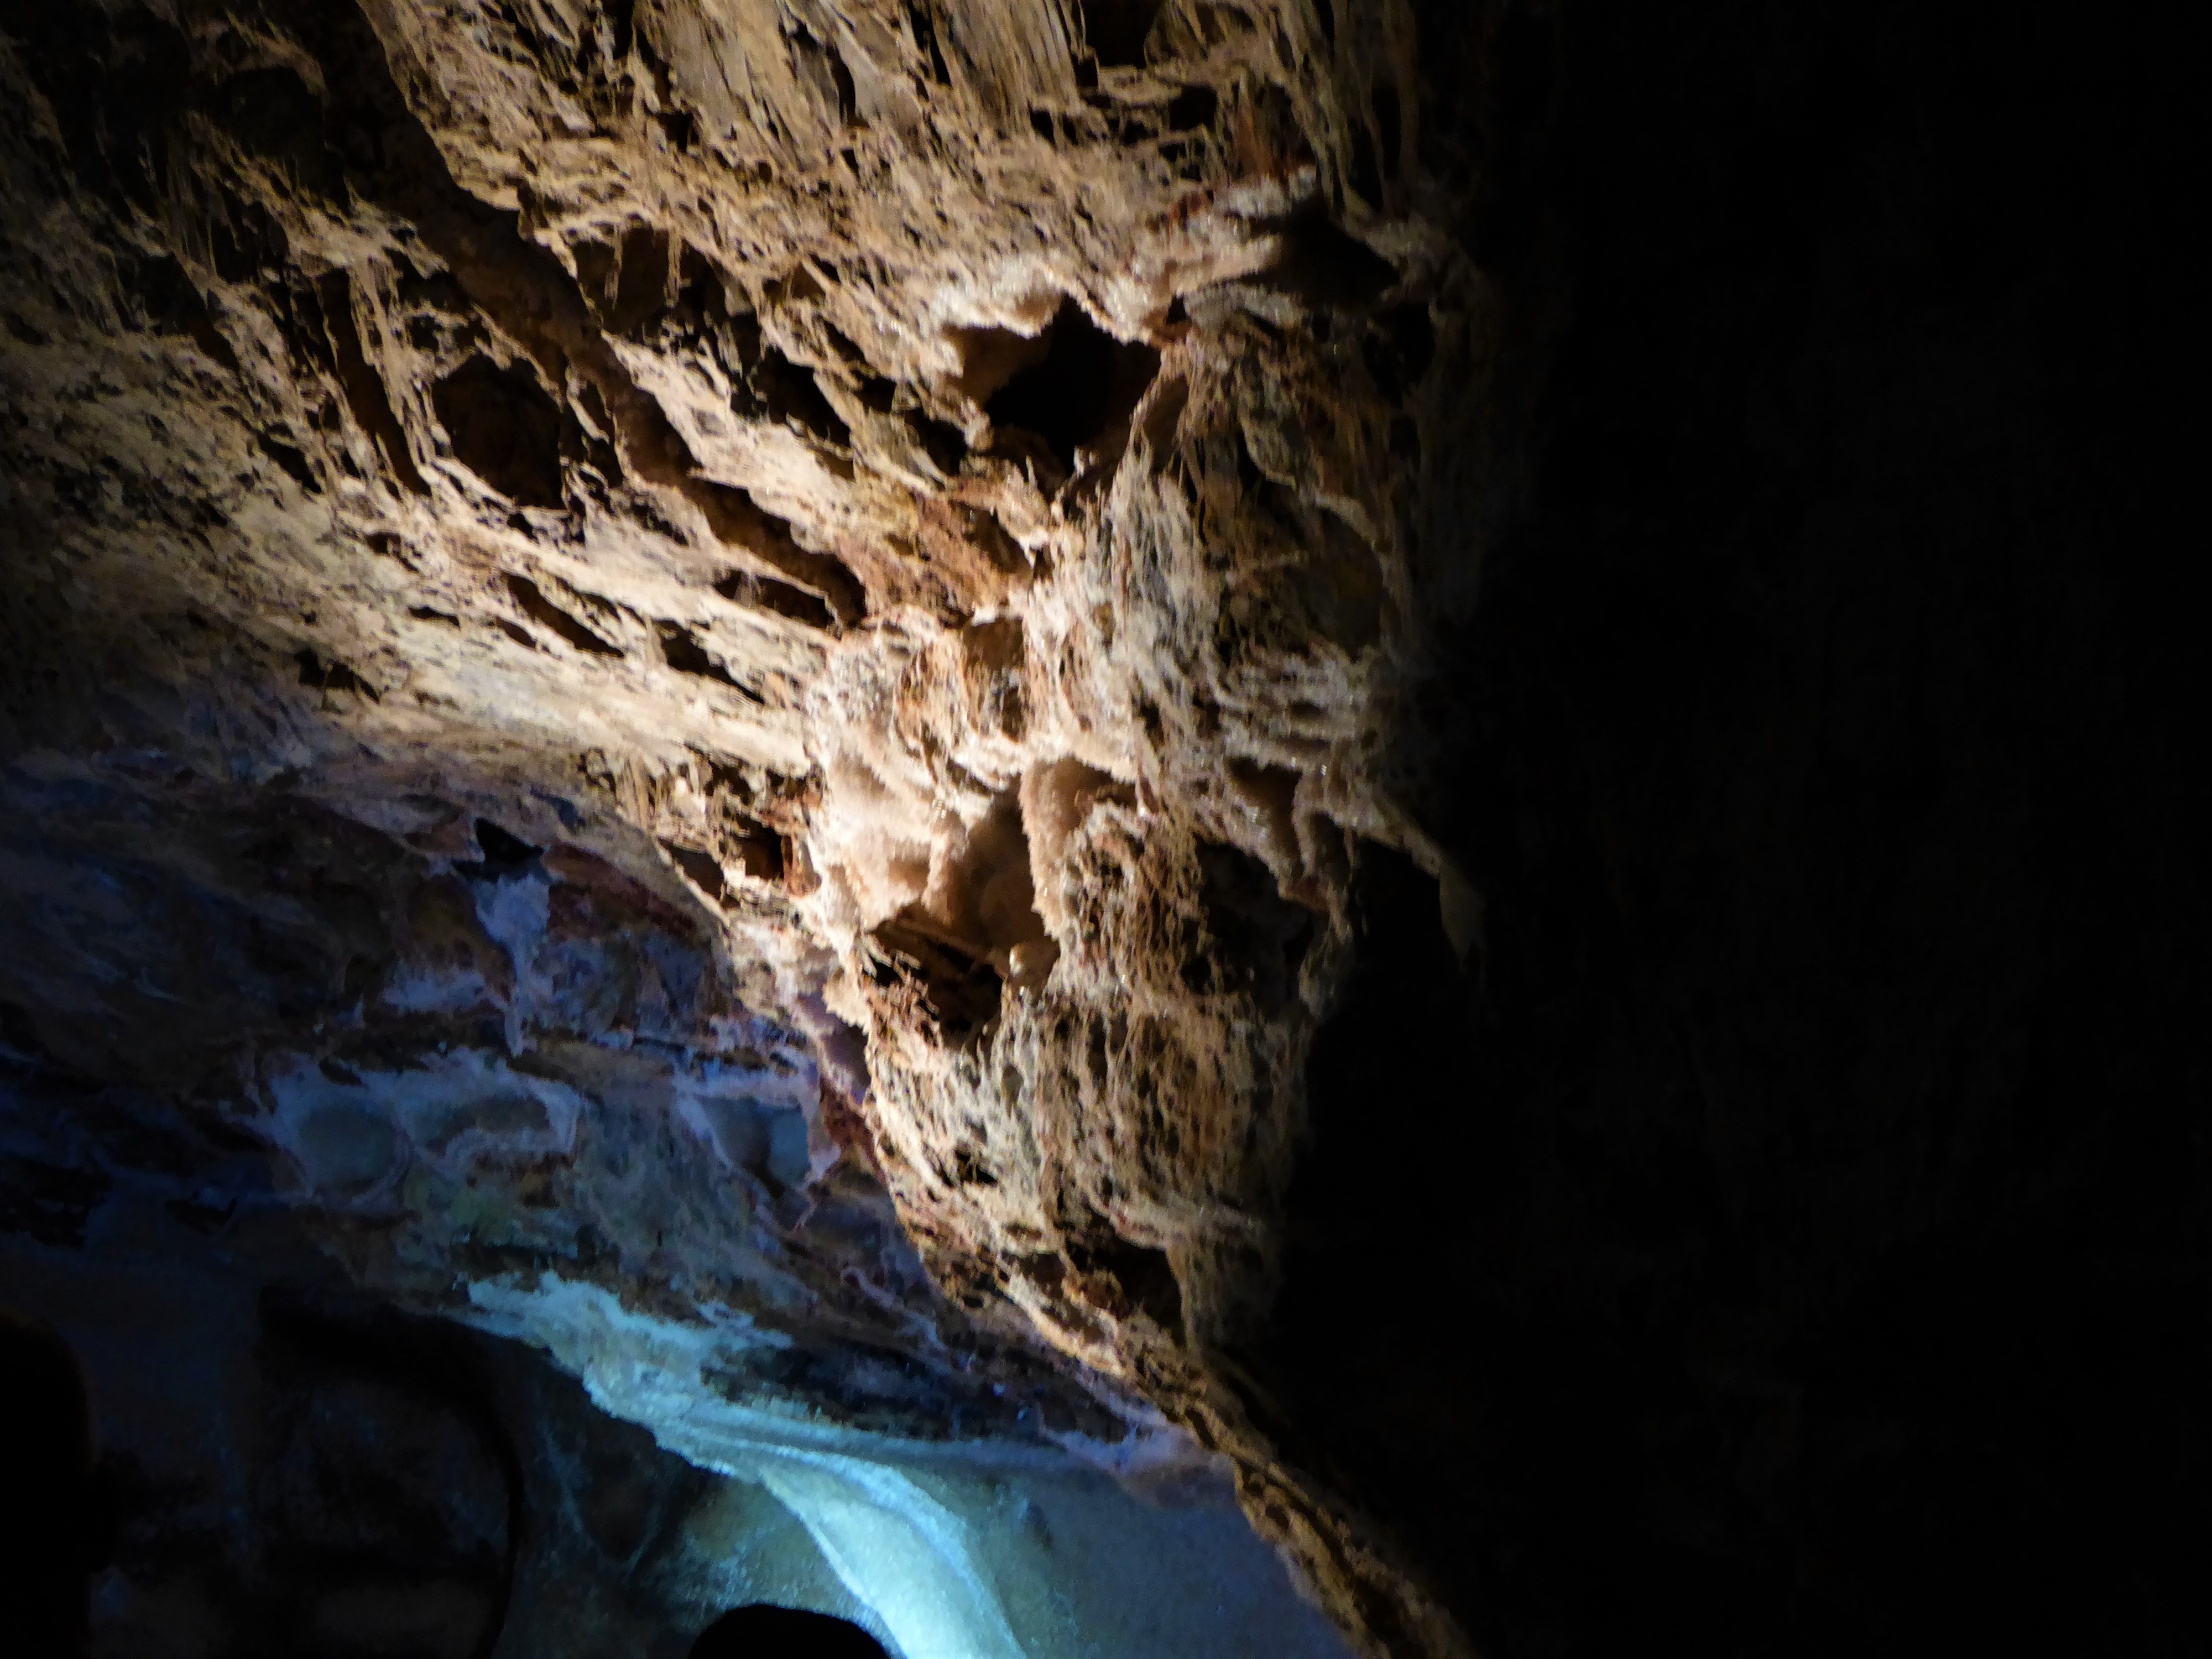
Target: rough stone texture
pixel 672 645
pixel 285 1462
pixel 783 693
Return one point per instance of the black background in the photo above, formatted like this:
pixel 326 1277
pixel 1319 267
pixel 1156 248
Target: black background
pixel 1788 1233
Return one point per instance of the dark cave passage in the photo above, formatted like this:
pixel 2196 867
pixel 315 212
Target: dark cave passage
pixel 53 1506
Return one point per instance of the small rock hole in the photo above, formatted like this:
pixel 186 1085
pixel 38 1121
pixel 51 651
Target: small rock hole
pixel 504 853
pixel 332 676
pixel 543 611
pixel 641 287
pixel 1145 1277
pixel 504 428
pixel 1192 108
pixel 684 653
pixel 793 397
pixel 766 593
pixel 1085 387
pixel 1116 30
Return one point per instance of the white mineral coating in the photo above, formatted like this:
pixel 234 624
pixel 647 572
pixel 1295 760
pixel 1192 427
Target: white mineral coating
pixel 962 1551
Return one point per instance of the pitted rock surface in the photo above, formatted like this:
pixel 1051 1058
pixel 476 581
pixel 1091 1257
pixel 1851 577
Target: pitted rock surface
pixel 743 655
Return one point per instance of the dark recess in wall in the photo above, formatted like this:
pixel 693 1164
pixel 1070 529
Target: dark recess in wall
pixel 1792 1232
pixel 56 1521
pixel 760 1630
pixel 1087 383
pixel 1115 30
pixel 505 430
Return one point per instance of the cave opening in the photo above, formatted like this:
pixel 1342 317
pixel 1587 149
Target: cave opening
pixel 504 429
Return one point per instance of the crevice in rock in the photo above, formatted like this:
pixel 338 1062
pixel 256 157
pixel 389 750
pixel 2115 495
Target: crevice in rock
pixel 738 522
pixel 765 854
pixel 1256 939
pixel 1137 1278
pixel 1081 392
pixel 818 62
pixel 328 675
pixel 681 650
pixel 1324 265
pixel 790 394
pixel 981 900
pixel 702 867
pixel 501 853
pixel 171 304
pixel 504 428
pixel 363 386
pixel 535 605
pixel 766 593
pixel 292 460
pixel 1115 30
pixel 953 993
pixel 1193 108
pixel 642 287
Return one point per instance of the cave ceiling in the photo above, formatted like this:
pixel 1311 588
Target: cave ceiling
pixel 725 668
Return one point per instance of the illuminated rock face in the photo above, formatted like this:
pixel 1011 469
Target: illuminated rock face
pixel 752 692
pixel 728 668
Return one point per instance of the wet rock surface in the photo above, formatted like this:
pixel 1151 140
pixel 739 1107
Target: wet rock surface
pixel 279 1461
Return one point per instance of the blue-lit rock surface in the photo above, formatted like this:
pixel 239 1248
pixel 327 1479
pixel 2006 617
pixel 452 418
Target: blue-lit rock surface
pixel 291 1459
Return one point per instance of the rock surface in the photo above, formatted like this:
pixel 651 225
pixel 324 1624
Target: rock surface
pixel 740 655
pixel 285 1462
pixel 789 698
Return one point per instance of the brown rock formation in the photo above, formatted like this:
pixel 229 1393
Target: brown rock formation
pixel 785 696
pixel 610 547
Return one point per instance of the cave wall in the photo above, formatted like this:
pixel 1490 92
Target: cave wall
pixel 282 1460
pixel 1436 758
pixel 738 663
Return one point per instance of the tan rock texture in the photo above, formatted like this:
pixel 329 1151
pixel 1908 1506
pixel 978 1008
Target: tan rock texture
pixel 929 505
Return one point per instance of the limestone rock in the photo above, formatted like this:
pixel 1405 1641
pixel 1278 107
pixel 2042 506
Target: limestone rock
pixel 741 653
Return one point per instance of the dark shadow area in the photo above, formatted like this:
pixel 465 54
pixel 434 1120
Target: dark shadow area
pixel 766 1632
pixel 1082 390
pixel 1792 1232
pixel 766 593
pixel 791 393
pixel 54 1523
pixel 534 603
pixel 282 1470
pixel 505 430
pixel 1115 30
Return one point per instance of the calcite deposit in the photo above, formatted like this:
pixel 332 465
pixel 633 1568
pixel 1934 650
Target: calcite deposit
pixel 738 658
